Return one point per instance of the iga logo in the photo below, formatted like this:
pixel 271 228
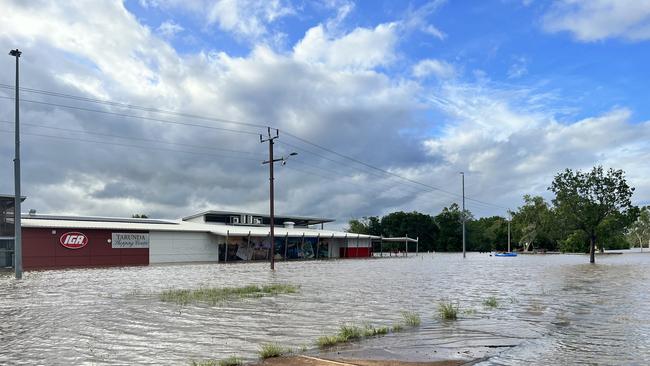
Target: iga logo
pixel 73 240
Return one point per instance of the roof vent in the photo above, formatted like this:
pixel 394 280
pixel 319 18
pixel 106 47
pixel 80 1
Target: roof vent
pixel 289 224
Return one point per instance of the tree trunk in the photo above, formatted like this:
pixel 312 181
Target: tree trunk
pixel 592 249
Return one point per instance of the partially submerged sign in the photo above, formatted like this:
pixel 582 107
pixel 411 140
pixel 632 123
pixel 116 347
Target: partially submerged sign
pixel 129 240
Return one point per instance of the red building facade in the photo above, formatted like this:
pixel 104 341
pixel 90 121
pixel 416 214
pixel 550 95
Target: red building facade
pixel 57 248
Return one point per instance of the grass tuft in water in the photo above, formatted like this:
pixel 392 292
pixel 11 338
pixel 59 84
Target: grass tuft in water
pixel 231 361
pixel 327 341
pixel 411 319
pixel 447 310
pixel 350 332
pixel 216 295
pixel 269 350
pixel 397 327
pixel 491 302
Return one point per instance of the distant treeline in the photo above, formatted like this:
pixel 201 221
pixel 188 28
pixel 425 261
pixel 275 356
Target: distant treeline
pixel 592 207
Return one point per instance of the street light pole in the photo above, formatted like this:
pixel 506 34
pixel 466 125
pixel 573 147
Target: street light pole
pixel 270 139
pixel 18 247
pixel 462 174
pixel 509 219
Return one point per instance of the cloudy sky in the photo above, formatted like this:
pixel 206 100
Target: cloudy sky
pixel 375 96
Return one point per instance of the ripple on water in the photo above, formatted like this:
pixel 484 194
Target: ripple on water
pixel 552 309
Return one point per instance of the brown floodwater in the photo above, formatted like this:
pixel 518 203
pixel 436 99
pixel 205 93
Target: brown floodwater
pixel 553 309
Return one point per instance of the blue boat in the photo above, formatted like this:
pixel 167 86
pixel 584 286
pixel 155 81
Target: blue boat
pixel 506 254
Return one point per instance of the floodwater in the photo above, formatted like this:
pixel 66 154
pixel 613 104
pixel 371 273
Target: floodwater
pixel 553 309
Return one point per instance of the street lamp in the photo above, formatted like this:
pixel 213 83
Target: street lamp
pixel 18 248
pixel 462 174
pixel 270 139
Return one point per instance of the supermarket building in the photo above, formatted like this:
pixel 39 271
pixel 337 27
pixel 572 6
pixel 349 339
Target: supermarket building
pixel 50 241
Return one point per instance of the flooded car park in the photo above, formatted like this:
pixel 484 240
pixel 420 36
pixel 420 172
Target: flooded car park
pixel 552 309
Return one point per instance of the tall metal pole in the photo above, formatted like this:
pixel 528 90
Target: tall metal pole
pixel 18 245
pixel 462 174
pixel 509 234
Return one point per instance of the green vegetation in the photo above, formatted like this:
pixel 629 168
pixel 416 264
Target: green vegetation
pixel 397 327
pixel 327 341
pixel 411 319
pixel 590 209
pixel 447 310
pixel 348 333
pixel 491 302
pixel 269 350
pixel 231 361
pixel 216 295
pixel 597 203
pixel 205 363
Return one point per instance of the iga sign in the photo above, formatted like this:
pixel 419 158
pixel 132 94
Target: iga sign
pixel 73 240
pixel 129 240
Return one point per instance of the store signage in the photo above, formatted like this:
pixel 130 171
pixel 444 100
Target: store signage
pixel 73 240
pixel 129 240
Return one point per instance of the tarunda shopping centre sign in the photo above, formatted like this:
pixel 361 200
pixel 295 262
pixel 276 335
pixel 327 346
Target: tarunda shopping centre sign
pixel 129 240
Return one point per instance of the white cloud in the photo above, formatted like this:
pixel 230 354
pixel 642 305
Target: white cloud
pixel 594 20
pixel 362 48
pixel 416 19
pixel 510 149
pixel 518 69
pixel 330 90
pixel 169 28
pixel 247 18
pixel 440 69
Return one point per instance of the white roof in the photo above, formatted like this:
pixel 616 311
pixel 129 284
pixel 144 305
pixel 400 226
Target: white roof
pixel 184 226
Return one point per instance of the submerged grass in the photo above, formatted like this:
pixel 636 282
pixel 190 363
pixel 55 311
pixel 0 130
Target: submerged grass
pixel 348 333
pixel 231 361
pixel 216 295
pixel 447 310
pixel 491 302
pixel 269 350
pixel 411 319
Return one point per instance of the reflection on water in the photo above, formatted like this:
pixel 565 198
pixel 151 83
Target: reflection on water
pixel 552 309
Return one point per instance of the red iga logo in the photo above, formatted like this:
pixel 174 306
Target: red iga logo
pixel 73 240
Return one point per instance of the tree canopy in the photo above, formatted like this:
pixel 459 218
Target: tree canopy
pixel 594 202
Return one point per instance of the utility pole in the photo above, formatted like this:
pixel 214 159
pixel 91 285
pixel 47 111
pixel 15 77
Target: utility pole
pixel 462 174
pixel 18 247
pixel 509 219
pixel 270 139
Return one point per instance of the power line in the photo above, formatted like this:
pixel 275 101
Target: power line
pixel 132 146
pixel 133 138
pixel 155 110
pixel 133 116
pixel 129 106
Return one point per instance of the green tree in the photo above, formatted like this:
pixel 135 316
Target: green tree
pixel 488 233
pixel 535 224
pixel 368 225
pixel 638 234
pixel 450 225
pixel 139 216
pixel 414 224
pixel 588 201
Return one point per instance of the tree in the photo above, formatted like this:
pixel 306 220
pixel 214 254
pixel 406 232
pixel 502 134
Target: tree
pixel 139 216
pixel 368 225
pixel 639 232
pixel 590 200
pixel 450 225
pixel 535 224
pixel 414 224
